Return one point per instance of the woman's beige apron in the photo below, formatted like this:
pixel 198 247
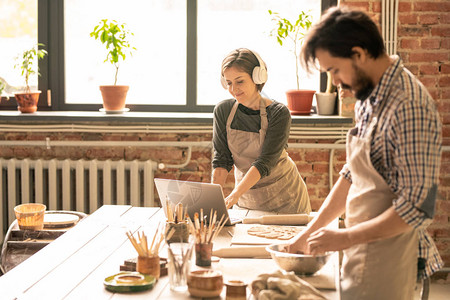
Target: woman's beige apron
pixel 283 190
pixel 384 269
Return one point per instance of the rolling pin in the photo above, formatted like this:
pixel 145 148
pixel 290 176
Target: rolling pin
pixel 293 219
pixel 242 252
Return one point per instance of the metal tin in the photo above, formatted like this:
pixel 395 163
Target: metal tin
pixel 203 253
pixel 181 234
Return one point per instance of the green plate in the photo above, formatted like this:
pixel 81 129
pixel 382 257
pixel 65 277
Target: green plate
pixel 113 286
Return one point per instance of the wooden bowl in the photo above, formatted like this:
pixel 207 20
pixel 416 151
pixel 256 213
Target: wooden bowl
pixel 205 283
pixel 30 216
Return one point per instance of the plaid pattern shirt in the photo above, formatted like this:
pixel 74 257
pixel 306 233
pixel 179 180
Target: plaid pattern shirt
pixel 405 149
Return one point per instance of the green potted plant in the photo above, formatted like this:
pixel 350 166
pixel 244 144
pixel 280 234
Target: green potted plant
pixel 298 101
pixel 28 64
pixel 115 36
pixel 326 102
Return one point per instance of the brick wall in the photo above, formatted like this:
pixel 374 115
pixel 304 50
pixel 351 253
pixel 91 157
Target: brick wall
pixel 313 164
pixel 424 46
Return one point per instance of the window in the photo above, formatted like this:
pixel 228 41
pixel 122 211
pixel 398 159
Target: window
pixel 227 25
pixel 180 46
pixel 18 23
pixel 155 72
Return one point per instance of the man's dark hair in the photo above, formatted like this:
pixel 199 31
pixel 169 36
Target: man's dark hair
pixel 338 31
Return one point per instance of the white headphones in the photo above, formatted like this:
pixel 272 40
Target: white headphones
pixel 259 74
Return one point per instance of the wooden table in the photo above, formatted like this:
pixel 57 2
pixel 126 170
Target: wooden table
pixel 75 265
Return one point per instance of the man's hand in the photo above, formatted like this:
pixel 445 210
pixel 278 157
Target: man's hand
pixel 326 239
pixel 299 244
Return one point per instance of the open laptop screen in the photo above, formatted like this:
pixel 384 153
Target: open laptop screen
pixel 194 196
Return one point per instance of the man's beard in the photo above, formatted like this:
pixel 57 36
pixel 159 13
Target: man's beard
pixel 362 86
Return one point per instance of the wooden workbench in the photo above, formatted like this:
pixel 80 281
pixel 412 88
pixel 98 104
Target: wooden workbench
pixel 75 265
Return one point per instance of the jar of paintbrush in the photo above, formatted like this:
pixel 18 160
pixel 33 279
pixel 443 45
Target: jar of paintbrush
pixel 148 261
pixel 176 223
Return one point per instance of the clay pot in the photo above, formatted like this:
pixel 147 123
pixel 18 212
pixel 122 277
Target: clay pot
pixel 114 96
pixel 27 102
pixel 299 102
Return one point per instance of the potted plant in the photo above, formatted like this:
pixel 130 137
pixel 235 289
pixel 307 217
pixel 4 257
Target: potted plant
pixel 115 36
pixel 326 102
pixel 2 87
pixel 298 101
pixel 28 64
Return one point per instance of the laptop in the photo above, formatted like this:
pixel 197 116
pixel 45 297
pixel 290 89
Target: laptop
pixel 194 196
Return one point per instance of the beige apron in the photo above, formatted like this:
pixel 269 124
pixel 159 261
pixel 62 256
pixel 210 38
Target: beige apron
pixel 384 269
pixel 283 190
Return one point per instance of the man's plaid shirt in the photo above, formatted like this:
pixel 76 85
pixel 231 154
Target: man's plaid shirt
pixel 406 149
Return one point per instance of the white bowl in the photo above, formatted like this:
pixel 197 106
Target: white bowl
pixel 301 264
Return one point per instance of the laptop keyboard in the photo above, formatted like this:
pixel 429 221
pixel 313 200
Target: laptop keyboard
pixel 235 220
pixel 235 216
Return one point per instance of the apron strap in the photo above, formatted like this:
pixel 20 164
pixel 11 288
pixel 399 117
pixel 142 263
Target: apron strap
pixel 264 121
pixel 232 113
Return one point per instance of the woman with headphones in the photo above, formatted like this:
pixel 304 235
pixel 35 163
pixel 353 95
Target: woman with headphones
pixel 251 134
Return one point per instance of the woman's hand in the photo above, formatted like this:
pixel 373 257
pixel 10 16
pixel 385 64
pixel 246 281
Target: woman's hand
pixel 231 200
pixel 249 180
pixel 326 239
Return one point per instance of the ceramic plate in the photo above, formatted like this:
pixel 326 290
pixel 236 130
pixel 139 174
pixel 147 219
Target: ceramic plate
pixel 60 219
pixel 114 111
pixel 112 285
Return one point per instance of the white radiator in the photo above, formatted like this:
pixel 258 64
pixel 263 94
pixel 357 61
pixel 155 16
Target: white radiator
pixel 389 22
pixel 78 185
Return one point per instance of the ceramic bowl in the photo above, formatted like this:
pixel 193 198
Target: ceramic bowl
pixel 301 264
pixel 126 282
pixel 205 283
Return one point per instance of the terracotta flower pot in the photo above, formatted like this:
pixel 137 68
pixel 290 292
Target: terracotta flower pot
pixel 114 96
pixel 27 102
pixel 299 102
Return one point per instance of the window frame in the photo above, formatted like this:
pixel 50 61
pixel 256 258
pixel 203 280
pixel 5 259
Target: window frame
pixel 51 81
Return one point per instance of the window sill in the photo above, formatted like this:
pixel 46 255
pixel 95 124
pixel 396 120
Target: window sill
pixel 144 117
